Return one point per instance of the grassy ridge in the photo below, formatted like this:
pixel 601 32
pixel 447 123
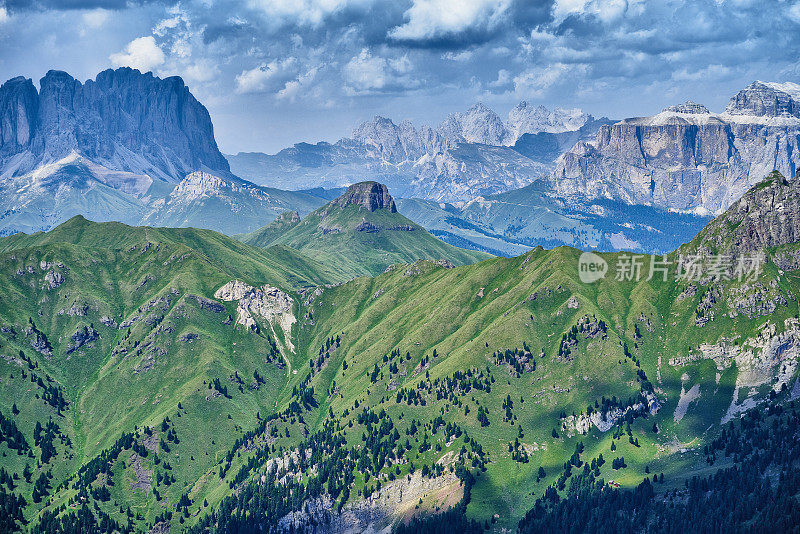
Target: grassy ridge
pixel 483 367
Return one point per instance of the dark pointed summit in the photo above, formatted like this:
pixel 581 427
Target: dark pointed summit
pixel 370 195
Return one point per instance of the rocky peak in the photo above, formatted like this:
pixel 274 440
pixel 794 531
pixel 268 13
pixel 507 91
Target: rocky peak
pixel 197 184
pixel 124 120
pixel 766 99
pixel 370 195
pixel 19 109
pixel 688 107
pixel 527 119
pixel 478 124
pixel 392 142
pixel 767 215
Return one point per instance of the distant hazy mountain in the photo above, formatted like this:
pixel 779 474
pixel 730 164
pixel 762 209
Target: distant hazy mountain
pixel 123 120
pixel 469 154
pixel 126 147
pixel 687 158
pixel 513 222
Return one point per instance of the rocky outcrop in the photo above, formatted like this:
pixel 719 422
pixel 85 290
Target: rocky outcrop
pixel 526 119
pixel 375 513
pixel 266 302
pixel 688 107
pixel 766 99
pixel 686 158
pixel 767 216
pixel 368 195
pixel 123 120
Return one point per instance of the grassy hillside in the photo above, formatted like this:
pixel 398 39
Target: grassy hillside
pixel 374 400
pixel 359 241
pixel 266 235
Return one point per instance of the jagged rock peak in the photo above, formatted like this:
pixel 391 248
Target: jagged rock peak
pixel 123 119
pixel 370 195
pixel 688 107
pixel 525 118
pixel 198 183
pixel 766 99
pixel 767 215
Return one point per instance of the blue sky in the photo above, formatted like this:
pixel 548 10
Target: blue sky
pixel 276 72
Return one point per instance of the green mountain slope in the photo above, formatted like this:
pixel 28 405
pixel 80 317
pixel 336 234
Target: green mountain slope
pixel 361 233
pixel 266 235
pixel 481 387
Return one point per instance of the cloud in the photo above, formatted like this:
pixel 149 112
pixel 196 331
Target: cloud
pixel 201 71
pixel 3 14
pixel 428 20
pixel 142 53
pixel 303 12
pixel 794 12
pixel 96 18
pixel 533 82
pixel 68 5
pixel 712 72
pixel 365 74
pixel 604 10
pixel 265 77
pixel 464 55
pixel 294 88
pixel 503 78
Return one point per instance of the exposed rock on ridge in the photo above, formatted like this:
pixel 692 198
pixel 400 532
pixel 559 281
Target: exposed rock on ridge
pixel 369 195
pixel 768 215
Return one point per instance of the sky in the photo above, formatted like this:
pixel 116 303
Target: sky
pixel 277 72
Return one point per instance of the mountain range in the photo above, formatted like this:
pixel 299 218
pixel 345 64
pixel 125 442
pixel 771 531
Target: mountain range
pixel 359 233
pixel 687 158
pixel 127 147
pixel 469 154
pixel 137 149
pixel 180 380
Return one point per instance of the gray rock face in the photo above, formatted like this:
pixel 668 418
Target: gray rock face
pixel 19 110
pixel 469 154
pixel 688 107
pixel 478 124
pixel 767 216
pixel 370 195
pixel 123 120
pixel 766 99
pixel 685 158
pixel 526 119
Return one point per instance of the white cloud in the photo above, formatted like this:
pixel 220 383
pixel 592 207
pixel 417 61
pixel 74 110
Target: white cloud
pixel 712 72
pixel 263 78
pixel 365 72
pixel 428 19
pixel 3 14
pixel 605 10
pixel 794 12
pixel 302 12
pixel 202 70
pixel 532 83
pixel 96 18
pixel 503 78
pixel 142 53
pixel 462 56
pixel 293 88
